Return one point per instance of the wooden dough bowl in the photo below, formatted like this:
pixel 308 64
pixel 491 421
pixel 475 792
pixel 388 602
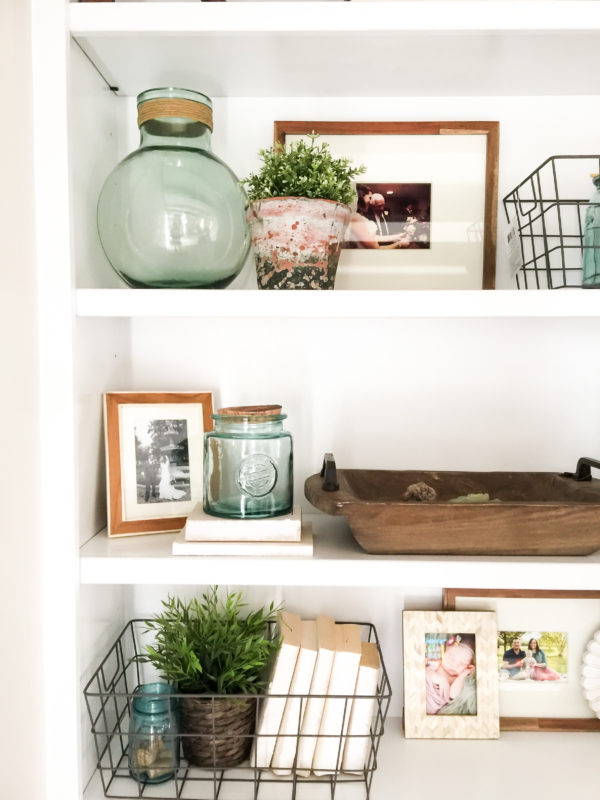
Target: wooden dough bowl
pixel 535 513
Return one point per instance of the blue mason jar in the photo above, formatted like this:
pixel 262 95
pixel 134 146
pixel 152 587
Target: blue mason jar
pixel 248 464
pixel 153 734
pixel 591 240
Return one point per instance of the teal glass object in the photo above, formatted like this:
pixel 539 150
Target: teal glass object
pixel 591 240
pixel 172 214
pixel 153 747
pixel 248 464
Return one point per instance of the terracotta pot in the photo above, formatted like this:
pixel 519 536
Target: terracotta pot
pixel 297 241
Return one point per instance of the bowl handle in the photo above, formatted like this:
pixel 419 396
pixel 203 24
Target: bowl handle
pixel 329 474
pixel 583 472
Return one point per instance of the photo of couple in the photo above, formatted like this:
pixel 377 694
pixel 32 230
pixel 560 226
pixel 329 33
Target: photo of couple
pixel 162 461
pixel 532 656
pixel 450 682
pixel 391 216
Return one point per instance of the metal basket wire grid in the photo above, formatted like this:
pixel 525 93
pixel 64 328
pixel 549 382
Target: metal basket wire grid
pixel 109 696
pixel 546 213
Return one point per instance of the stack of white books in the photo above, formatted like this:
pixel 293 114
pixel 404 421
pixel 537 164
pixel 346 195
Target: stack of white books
pixel 323 725
pixel 204 534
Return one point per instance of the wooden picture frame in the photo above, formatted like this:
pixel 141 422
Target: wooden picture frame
pixel 578 612
pixel 462 255
pixel 154 459
pixel 435 706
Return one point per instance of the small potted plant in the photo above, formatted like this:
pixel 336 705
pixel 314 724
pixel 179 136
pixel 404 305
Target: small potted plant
pixel 298 215
pixel 208 648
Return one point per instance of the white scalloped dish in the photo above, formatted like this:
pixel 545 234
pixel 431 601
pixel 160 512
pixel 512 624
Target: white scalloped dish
pixel 590 673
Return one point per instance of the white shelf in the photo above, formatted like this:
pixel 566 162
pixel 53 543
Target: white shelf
pixel 309 49
pixel 241 303
pixel 358 17
pixel 404 766
pixel 338 561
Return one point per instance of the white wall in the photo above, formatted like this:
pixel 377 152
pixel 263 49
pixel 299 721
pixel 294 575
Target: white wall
pixel 21 663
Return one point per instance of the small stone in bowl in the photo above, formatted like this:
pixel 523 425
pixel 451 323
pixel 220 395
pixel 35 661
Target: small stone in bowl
pixel 421 492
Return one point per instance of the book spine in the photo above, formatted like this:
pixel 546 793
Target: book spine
pixel 336 714
pixel 295 707
pixel 358 738
pixel 279 686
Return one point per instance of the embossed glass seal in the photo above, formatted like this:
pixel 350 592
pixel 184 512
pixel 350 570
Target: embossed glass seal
pixel 257 475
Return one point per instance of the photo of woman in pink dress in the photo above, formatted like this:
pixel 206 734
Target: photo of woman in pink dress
pixel 540 670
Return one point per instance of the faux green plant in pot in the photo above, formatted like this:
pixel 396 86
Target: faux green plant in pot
pixel 208 646
pixel 298 214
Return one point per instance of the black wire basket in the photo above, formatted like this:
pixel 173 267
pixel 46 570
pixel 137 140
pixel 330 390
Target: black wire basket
pixel 109 696
pixel 546 213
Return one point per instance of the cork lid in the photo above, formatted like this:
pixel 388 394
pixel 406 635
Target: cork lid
pixel 250 411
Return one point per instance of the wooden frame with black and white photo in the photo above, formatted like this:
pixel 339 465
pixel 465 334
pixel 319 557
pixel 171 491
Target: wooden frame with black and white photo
pixel 154 458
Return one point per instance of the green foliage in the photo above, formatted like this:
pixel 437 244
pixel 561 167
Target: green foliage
pixel 303 170
pixel 208 646
pixel 554 643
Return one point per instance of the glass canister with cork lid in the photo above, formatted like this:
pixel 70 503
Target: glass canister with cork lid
pixel 248 463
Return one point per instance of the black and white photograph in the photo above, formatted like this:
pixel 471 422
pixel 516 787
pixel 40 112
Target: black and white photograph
pixel 162 461
pixel 391 216
pixel 154 448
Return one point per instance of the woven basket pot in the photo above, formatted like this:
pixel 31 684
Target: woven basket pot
pixel 297 241
pixel 217 732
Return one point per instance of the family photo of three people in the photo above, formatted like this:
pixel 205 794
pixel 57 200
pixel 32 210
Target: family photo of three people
pixel 526 660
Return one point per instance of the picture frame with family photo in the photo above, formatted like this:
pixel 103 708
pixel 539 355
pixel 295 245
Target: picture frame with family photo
pixel 542 636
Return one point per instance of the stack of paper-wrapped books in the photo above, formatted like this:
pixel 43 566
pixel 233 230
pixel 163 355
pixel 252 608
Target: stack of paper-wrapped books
pixel 324 725
pixel 206 535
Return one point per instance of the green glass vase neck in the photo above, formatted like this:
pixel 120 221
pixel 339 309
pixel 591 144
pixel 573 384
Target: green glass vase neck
pixel 175 132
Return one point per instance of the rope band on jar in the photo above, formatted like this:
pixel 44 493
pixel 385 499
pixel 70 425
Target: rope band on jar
pixel 175 107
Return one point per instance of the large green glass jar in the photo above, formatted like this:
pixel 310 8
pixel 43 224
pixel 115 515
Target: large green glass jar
pixel 248 464
pixel 172 214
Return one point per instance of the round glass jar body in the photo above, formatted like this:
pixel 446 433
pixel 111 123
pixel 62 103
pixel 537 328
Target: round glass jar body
pixel 153 734
pixel 248 467
pixel 172 214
